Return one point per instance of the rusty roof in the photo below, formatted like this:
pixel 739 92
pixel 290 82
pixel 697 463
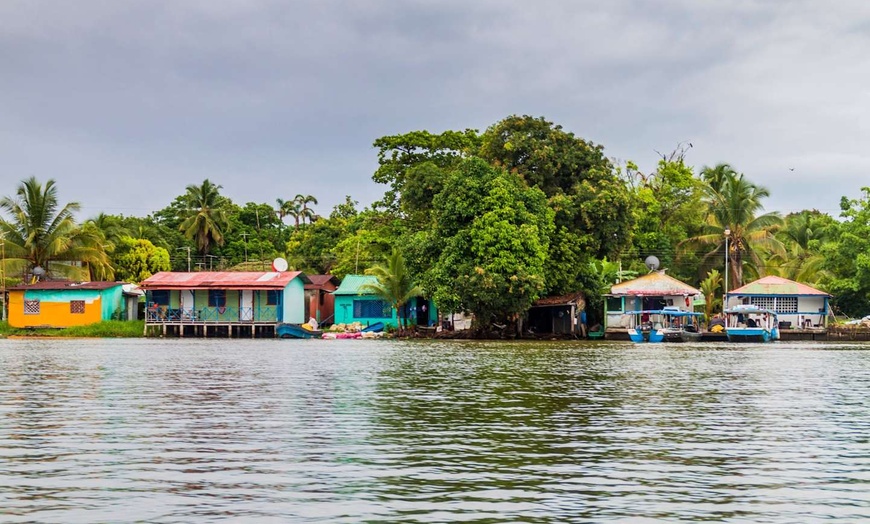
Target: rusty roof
pixel 222 280
pixel 773 285
pixel 656 283
pixel 577 298
pixel 318 281
pixel 55 285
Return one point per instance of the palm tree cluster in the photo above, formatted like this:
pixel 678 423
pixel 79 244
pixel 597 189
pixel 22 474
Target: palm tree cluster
pixel 40 233
pixel 297 209
pixel 205 219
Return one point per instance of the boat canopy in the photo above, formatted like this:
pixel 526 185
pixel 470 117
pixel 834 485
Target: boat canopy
pixel 747 309
pixel 671 312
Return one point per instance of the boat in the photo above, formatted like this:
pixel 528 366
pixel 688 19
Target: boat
pixel 748 323
pixel 681 326
pixel 296 331
pixel 648 326
pixel 377 327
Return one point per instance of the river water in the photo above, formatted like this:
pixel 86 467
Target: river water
pixel 385 431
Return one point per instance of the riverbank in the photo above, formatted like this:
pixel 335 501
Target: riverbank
pixel 105 329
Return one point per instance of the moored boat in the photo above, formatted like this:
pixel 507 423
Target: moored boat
pixel 296 331
pixel 681 326
pixel 748 323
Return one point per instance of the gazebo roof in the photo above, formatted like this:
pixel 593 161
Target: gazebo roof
pixel 656 283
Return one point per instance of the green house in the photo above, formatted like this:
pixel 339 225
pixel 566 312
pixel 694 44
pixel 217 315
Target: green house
pixel 354 304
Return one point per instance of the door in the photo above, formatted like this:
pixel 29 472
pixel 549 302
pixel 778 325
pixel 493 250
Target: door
pixel 246 308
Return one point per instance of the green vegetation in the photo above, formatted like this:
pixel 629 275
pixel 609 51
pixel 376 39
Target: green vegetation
pixel 484 222
pixel 105 329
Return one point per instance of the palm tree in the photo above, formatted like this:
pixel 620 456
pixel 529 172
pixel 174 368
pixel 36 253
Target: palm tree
pixel 803 237
pixel 42 233
pixel 733 206
pixel 394 284
pixel 205 219
pixel 304 210
pixel 710 288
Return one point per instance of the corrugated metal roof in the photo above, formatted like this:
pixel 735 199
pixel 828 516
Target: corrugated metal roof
pixel 352 284
pixel 222 280
pixel 773 285
pixel 65 284
pixel 318 281
pixel 563 300
pixel 654 284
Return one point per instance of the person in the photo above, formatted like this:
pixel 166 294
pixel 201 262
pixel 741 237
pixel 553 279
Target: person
pixel 423 314
pixel 583 323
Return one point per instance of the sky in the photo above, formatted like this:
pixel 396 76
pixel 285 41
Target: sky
pixel 124 104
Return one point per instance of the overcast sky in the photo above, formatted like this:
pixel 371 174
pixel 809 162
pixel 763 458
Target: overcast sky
pixel 126 103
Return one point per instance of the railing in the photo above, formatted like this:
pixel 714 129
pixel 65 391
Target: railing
pixel 165 315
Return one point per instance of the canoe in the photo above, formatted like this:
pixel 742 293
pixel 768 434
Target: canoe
pixel 374 328
pixel 296 331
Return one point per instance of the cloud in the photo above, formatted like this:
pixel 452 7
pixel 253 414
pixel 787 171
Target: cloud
pixel 126 103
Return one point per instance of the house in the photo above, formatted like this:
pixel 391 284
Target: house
pixel 353 303
pixel 60 304
pixel 319 300
pixel 558 314
pixel 243 303
pixel 797 305
pixel 655 290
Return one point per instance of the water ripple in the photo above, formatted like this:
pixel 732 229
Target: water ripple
pixel 375 431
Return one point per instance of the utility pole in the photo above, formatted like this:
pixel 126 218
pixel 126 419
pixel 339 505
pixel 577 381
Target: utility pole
pixel 3 276
pixel 245 238
pixel 188 257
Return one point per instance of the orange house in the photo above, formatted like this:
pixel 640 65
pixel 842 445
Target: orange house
pixel 59 304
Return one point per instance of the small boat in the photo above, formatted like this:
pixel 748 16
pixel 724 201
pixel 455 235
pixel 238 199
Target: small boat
pixel 748 323
pixel 648 326
pixel 296 331
pixel 681 326
pixel 377 327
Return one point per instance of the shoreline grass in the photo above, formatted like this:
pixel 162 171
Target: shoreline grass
pixel 105 329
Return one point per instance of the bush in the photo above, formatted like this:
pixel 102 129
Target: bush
pixel 105 329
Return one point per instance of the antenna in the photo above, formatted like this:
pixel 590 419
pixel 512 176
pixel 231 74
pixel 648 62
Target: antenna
pixel 652 262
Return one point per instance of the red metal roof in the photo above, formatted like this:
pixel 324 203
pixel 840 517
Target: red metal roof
pixel 65 284
pixel 222 280
pixel 773 285
pixel 654 284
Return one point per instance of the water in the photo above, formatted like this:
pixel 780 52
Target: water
pixel 384 431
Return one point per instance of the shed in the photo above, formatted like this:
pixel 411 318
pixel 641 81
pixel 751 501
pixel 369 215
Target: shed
pixel 655 290
pixel 558 314
pixel 60 304
pixel 320 302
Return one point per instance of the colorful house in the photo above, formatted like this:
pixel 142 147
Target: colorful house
pixel 320 302
pixel 60 304
pixel 353 303
pixel 798 306
pixel 247 302
pixel 653 291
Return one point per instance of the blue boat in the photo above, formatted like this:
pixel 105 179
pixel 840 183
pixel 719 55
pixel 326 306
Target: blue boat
pixel 681 326
pixel 648 326
pixel 670 324
pixel 296 331
pixel 748 323
pixel 377 327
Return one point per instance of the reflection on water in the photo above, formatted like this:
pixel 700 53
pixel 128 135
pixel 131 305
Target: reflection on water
pixel 351 431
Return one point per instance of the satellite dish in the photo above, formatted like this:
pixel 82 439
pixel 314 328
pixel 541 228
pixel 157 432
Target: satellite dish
pixel 279 265
pixel 652 263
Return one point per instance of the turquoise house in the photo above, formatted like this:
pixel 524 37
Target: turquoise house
pixel 354 304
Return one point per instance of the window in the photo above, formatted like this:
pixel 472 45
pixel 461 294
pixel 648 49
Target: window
pixel 217 298
pixel 160 297
pixel 77 307
pixel 786 304
pixel 272 297
pixel 762 302
pixel 614 303
pixel 372 309
pixel 31 307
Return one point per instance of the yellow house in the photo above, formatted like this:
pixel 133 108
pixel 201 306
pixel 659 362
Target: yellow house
pixel 59 304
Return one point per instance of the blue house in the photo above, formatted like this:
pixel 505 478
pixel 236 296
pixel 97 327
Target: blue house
pixel 353 303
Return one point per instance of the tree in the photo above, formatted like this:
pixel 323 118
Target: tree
pixel 137 259
pixel 41 232
pixel 394 284
pixel 711 288
pixel 734 206
pixel 847 257
pixel 804 235
pixel 204 218
pixel 495 232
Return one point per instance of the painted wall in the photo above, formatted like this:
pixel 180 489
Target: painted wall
pixel 344 311
pixel 293 299
pixel 54 307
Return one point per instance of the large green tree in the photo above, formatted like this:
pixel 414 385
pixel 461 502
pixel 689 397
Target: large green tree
pixel 495 233
pixel 40 232
pixel 848 257
pixel 137 259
